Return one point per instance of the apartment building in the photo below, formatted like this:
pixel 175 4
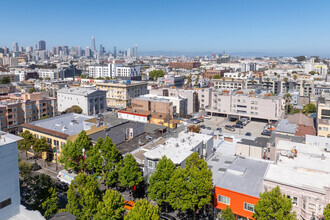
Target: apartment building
pixel 178 150
pixel 211 73
pixel 250 105
pixel 90 100
pixel 302 173
pixel 115 70
pixel 323 116
pixel 17 108
pixel 58 130
pixel 121 93
pixel 9 179
pixel 52 74
pixel 12 77
pixel 237 183
pixel 228 84
pixel 185 65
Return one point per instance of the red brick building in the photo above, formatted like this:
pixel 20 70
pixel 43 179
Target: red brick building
pixel 185 65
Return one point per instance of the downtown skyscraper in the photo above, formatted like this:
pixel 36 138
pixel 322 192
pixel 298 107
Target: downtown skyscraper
pixel 93 44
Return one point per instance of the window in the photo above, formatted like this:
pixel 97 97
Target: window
pixel 248 207
pixel 224 199
pixel 295 201
pixel 150 164
pixel 311 207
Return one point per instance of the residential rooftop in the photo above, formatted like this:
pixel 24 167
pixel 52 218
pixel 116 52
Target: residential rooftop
pixel 284 126
pixel 244 176
pixel 82 91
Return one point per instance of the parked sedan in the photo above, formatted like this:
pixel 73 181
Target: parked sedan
pixel 219 129
pixel 230 128
pixel 248 134
pixel 266 133
pixel 239 126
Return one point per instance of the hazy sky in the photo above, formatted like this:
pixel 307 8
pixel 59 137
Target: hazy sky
pixel 237 26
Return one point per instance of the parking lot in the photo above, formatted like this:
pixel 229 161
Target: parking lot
pixel 254 127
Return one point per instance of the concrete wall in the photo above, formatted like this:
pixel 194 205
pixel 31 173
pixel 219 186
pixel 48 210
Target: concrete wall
pixel 249 151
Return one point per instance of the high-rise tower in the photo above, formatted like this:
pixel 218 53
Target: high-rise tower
pixel 42 45
pixel 93 43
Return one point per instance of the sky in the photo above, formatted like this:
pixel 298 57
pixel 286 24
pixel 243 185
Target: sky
pixel 240 27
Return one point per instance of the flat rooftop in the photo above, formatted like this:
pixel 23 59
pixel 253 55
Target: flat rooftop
pixel 7 138
pixel 177 149
pixel 157 98
pixel 82 91
pixel 309 170
pixel 244 176
pixel 69 124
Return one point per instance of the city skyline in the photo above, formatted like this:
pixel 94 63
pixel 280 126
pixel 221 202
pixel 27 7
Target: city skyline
pixel 239 27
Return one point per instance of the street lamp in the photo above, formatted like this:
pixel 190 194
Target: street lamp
pixel 83 152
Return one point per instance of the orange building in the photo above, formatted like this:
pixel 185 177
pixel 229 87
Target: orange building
pixel 238 182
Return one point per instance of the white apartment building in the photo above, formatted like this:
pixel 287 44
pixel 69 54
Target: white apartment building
pixel 320 68
pixel 90 100
pixel 114 70
pixel 302 171
pixel 178 150
pixel 52 74
pixel 238 104
pixel 228 84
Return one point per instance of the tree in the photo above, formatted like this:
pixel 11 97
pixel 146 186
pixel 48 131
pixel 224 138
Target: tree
pixel 190 188
pixel 38 190
pixel 287 97
pixel 312 72
pixel 5 80
pixel 326 212
pixel 295 77
pixel 111 207
pixel 103 160
pixel 83 196
pixel 75 108
pixel 143 210
pixel 301 58
pixel 72 152
pixel 273 205
pixel 194 128
pixel 129 173
pixel 40 146
pixel 27 142
pixel 25 169
pixel 197 80
pixel 227 214
pixel 309 108
pixel 45 117
pixel 50 205
pixel 32 90
pixel 158 188
pixel 286 80
pixel 156 74
pixel 217 76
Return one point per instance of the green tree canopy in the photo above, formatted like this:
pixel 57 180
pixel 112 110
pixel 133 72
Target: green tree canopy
pixel 309 108
pixel 40 146
pixel 32 90
pixel 50 205
pixel 25 169
pixel 227 214
pixel 27 142
pixel 312 72
pixel 72 152
pixel 111 207
pixel 5 80
pixel 130 173
pixel 75 108
pixel 38 190
pixel 83 196
pixel 273 205
pixel 190 188
pixel 143 210
pixel 301 58
pixel 326 212
pixel 156 74
pixel 217 76
pixel 103 159
pixel 158 188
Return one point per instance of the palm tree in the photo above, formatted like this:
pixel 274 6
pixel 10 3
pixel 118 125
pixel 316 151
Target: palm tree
pixel 287 97
pixel 253 81
pixel 268 84
pixel 295 77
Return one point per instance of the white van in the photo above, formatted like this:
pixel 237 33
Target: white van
pixel 66 177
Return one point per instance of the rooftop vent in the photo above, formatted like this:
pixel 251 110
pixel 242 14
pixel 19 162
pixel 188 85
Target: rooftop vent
pixel 222 169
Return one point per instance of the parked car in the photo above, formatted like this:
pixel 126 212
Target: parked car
pixel 239 126
pixel 219 129
pixel 62 187
pixel 207 117
pixel 266 133
pixel 239 122
pixel 208 128
pixel 203 126
pixel 129 204
pixel 248 134
pixel 245 121
pixel 230 128
pixel 166 216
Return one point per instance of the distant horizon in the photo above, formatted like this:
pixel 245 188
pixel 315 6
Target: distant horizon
pixel 237 26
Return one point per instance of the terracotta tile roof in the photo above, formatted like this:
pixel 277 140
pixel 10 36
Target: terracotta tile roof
pixel 302 130
pixel 45 130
